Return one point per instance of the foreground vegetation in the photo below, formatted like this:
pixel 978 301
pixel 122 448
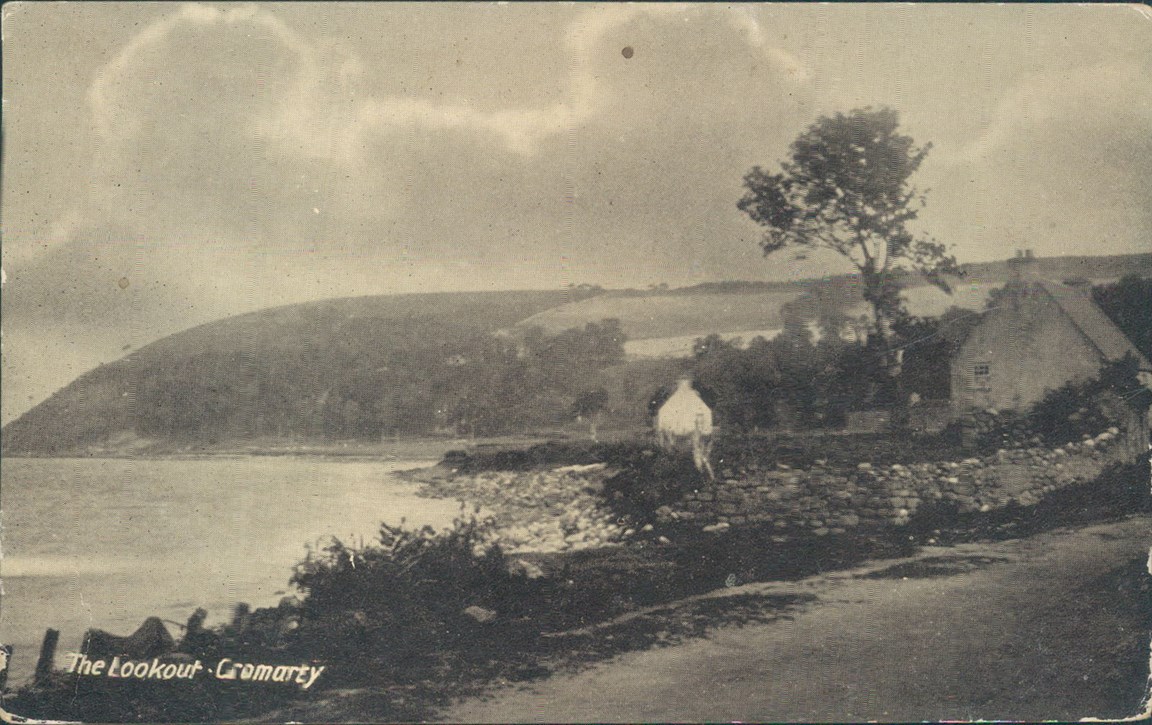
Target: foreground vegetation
pixel 417 617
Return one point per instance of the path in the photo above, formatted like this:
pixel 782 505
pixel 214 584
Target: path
pixel 1033 630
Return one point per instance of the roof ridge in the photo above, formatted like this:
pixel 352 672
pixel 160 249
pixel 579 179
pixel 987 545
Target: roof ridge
pixel 1092 329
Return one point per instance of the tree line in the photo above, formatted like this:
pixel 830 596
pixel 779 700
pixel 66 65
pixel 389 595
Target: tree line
pixel 379 379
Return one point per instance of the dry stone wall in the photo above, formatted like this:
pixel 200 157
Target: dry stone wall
pixel 822 500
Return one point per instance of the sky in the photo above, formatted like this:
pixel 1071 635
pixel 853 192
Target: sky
pixel 169 164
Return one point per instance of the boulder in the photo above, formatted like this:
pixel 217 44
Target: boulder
pixel 525 568
pixel 150 640
pixel 480 614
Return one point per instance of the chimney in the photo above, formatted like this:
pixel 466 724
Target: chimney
pixel 1023 266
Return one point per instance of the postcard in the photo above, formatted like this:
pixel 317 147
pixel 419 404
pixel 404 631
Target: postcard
pixel 588 362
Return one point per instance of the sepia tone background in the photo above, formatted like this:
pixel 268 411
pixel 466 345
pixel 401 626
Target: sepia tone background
pixel 166 165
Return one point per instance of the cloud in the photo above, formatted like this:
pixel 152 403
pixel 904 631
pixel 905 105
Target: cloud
pixel 590 49
pixel 252 155
pixel 1092 100
pixel 111 107
pixel 1060 167
pixel 271 138
pixel 183 154
pixel 744 19
pixel 519 130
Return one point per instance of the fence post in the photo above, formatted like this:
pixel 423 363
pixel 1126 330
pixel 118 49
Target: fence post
pixel 5 660
pixel 47 661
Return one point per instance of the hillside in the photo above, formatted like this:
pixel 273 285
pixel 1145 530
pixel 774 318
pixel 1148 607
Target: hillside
pixel 307 370
pixel 659 323
pixel 366 367
pixel 1096 269
pixel 672 313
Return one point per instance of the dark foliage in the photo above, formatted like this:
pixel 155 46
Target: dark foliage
pixel 845 188
pixel 1129 304
pixel 929 344
pixel 795 382
pixel 342 369
pixel 648 479
pixel 396 606
pixel 1068 413
pixel 590 403
pixel 739 384
pixel 550 454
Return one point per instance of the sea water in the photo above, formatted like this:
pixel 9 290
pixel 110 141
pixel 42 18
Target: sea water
pixel 106 543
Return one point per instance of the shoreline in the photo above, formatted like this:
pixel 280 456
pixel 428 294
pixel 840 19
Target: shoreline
pixel 403 449
pixel 42 575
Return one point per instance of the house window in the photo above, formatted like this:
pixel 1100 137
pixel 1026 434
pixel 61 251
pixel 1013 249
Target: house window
pixel 981 373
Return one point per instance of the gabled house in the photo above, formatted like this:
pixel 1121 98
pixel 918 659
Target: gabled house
pixel 1040 336
pixel 686 418
pixel 684 414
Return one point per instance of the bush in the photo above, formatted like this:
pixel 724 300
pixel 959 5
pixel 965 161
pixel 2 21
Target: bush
pixel 550 454
pixel 1067 413
pixel 396 606
pixel 649 478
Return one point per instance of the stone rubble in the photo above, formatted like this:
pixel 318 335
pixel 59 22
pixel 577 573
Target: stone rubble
pixel 540 511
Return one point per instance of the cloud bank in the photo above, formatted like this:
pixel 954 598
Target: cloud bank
pixel 226 158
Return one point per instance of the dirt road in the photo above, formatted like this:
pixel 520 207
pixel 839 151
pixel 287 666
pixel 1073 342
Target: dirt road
pixel 1050 627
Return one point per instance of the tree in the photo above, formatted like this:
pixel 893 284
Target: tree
pixel 590 404
pixel 844 188
pixel 742 382
pixel 930 344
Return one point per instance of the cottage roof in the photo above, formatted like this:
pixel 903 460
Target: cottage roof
pixel 1093 323
pixel 685 412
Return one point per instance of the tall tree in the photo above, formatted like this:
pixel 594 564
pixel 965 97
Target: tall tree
pixel 844 188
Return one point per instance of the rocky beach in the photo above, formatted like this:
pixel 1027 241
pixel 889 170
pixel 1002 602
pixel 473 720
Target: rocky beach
pixel 543 511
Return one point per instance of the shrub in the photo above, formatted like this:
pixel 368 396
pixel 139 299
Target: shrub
pixel 397 605
pixel 552 453
pixel 649 478
pixel 1067 413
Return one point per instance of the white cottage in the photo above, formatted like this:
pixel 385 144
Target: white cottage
pixel 685 417
pixel 684 413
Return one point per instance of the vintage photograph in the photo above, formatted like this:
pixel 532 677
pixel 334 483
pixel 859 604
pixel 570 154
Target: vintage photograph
pixel 589 362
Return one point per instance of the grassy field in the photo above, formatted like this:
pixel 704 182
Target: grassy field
pixel 671 315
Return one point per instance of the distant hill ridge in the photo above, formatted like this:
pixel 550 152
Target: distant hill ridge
pixel 735 306
pixel 294 356
pixel 267 371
